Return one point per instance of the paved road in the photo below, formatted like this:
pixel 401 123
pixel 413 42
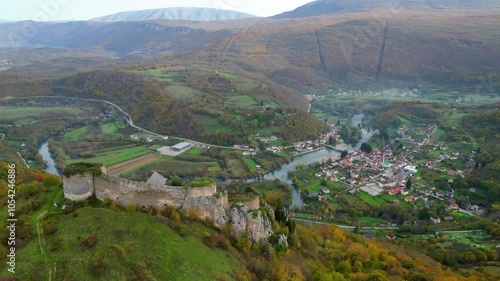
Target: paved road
pixel 129 120
pixel 24 160
pixel 348 227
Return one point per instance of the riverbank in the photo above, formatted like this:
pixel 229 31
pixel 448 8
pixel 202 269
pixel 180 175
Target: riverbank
pixel 307 152
pixel 48 160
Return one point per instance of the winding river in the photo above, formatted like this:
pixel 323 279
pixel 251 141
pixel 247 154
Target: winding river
pixel 306 159
pixel 47 158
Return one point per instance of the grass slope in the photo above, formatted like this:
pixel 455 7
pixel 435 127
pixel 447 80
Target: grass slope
pixel 131 244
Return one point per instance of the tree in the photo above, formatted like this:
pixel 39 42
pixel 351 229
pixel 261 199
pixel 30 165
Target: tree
pixel 344 154
pixel 408 183
pixel 279 214
pixel 52 180
pixel 176 182
pixel 366 148
pixel 423 214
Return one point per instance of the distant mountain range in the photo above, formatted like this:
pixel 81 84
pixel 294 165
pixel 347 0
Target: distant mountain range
pixel 195 14
pixel 436 41
pixel 323 7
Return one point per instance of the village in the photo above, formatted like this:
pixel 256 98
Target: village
pixel 383 176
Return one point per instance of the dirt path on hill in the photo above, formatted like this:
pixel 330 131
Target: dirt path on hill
pixel 131 164
pixel 43 247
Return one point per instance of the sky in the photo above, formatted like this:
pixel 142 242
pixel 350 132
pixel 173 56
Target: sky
pixel 57 10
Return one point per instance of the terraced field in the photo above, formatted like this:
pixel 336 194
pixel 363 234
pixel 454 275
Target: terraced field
pixel 131 164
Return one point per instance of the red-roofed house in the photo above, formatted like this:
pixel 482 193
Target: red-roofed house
pixel 395 190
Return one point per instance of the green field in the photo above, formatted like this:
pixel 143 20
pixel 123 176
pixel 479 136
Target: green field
pixel 237 168
pixel 474 239
pixel 227 75
pixel 160 74
pixel 130 244
pixel 75 135
pixel 374 201
pixel 109 128
pixel 212 124
pixel 11 113
pixel 115 156
pixel 182 92
pixel 184 164
pixel 240 101
pixel 176 88
pixel 250 163
pixel 215 168
pixel 194 151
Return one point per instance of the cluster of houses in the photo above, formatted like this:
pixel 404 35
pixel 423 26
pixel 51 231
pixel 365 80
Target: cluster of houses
pixel 380 171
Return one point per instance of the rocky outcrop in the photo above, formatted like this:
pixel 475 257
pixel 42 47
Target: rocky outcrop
pixel 207 208
pixel 255 223
pixel 243 221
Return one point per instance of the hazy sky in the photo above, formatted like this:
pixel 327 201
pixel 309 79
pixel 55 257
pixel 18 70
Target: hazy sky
pixel 53 10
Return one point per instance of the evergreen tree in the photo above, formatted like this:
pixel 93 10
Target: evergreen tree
pixel 408 183
pixel 280 214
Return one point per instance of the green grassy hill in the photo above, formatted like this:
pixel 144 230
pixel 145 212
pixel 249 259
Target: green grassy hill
pixel 128 245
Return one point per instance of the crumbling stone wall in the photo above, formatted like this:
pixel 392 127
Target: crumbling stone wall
pixel 126 192
pixel 78 187
pixel 245 219
pixel 251 205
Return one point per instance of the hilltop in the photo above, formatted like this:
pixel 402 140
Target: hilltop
pixel 179 13
pixel 322 7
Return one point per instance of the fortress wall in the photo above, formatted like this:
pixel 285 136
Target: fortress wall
pixel 251 205
pixel 195 192
pixel 223 200
pixel 78 187
pixel 126 192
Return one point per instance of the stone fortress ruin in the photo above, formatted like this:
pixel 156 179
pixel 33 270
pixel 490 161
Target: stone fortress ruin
pixel 203 201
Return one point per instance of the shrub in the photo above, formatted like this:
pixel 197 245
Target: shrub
pixel 106 202
pixel 51 181
pixel 216 241
pixel 90 242
pixel 176 182
pixel 82 168
pixel 114 206
pixel 131 208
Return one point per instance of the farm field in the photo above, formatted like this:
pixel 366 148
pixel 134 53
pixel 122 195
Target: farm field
pixel 472 238
pixel 250 164
pixel 110 128
pixel 172 166
pixel 10 113
pixel 372 200
pixel 75 135
pixel 123 167
pixel 212 124
pixel 115 156
pixel 240 101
